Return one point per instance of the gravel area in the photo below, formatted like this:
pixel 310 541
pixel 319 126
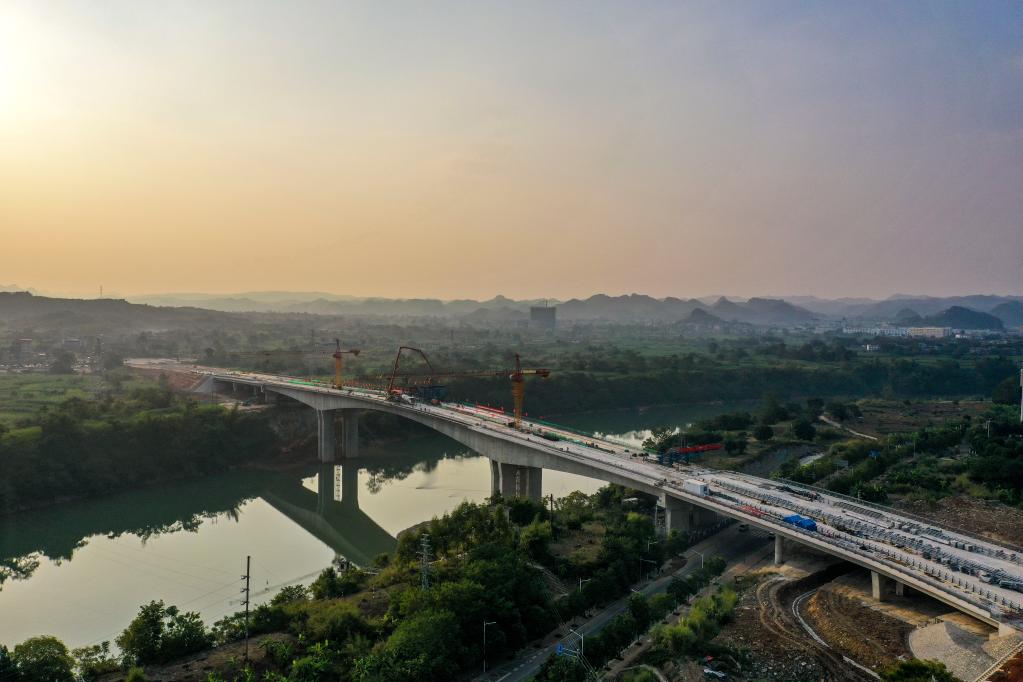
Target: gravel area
pixel 962 652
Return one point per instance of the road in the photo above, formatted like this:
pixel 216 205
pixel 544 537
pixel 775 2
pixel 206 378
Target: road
pixel 972 574
pixel 729 544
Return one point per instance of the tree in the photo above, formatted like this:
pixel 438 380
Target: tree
pixel 112 360
pixel 43 659
pixel 763 433
pixel 735 445
pixel 772 412
pixel 536 539
pixel 289 594
pixel 94 661
pixel 1007 392
pixel 141 640
pixel 331 584
pixel 639 607
pixel 803 429
pixel 814 406
pixel 8 668
pixel 159 633
pixel 63 363
pixel 838 410
pixel 915 670
pixel 427 646
pixel 562 669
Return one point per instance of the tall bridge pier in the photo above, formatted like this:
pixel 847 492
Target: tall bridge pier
pixel 513 480
pixel 519 457
pixel 683 516
pixel 329 422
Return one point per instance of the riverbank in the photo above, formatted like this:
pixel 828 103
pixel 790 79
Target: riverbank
pixel 82 448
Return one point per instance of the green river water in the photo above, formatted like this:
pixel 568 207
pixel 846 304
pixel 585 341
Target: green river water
pixel 81 570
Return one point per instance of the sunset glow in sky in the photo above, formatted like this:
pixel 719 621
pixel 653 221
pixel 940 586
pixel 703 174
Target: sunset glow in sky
pixel 530 149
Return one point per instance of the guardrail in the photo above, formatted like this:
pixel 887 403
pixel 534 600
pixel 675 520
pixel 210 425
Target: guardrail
pixel 898 512
pixel 997 665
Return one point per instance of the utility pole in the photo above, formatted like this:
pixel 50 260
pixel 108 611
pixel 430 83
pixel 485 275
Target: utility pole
pixel 245 591
pixel 424 561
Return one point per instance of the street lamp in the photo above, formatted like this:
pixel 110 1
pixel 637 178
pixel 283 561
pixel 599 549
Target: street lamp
pixel 485 624
pixel 581 581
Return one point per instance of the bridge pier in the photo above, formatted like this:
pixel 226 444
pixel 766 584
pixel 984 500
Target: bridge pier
pixel 779 550
pixel 349 433
pixel 326 445
pixel 519 481
pixel 326 434
pixel 877 585
pixel 900 589
pixel 684 517
pixel 495 478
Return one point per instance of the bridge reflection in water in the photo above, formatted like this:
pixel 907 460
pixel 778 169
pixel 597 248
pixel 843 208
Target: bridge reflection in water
pixel 331 513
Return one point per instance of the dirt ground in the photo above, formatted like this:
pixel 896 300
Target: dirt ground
pixel 1012 671
pixel 882 417
pixel 991 519
pixel 581 545
pixel 871 638
pixel 226 660
pixel 766 626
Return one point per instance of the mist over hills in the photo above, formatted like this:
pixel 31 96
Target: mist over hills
pixel 148 312
pixel 775 310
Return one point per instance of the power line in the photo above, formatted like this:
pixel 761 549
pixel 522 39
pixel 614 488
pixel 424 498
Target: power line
pixel 153 566
pixel 148 551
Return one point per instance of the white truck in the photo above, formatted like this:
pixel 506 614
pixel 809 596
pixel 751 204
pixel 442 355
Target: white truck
pixel 695 487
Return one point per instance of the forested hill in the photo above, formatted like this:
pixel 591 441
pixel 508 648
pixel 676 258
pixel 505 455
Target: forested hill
pixel 25 310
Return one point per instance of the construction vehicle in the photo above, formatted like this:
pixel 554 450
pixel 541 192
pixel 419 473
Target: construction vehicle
pixel 428 387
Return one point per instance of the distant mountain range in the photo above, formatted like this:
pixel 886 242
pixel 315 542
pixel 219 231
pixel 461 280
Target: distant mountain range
pixel 782 311
pixel 965 312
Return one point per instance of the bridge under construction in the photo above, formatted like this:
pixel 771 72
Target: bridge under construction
pixel 971 574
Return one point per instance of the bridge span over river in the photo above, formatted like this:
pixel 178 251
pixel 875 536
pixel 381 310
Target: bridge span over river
pixel 972 574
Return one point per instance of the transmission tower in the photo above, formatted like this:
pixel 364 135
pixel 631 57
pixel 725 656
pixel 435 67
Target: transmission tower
pixel 424 560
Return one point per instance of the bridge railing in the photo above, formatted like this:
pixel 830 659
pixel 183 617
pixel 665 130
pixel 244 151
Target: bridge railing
pixel 898 512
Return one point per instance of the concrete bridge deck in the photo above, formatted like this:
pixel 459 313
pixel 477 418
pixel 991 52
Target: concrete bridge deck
pixel 951 566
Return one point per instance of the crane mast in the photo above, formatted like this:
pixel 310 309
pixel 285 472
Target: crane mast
pixel 517 375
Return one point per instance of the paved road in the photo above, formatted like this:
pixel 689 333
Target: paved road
pixel 729 543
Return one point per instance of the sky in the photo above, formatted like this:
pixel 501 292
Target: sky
pixel 531 149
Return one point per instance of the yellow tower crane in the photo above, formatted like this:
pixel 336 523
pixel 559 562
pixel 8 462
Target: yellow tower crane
pixel 339 361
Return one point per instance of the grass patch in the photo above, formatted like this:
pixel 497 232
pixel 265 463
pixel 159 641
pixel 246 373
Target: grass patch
pixel 22 395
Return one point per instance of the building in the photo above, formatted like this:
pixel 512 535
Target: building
pixel 542 317
pixel 930 332
pixel 876 331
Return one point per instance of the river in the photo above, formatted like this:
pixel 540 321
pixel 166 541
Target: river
pixel 80 570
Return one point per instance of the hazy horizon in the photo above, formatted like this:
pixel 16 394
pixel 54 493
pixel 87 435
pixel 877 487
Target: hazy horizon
pixel 455 150
pixel 342 295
